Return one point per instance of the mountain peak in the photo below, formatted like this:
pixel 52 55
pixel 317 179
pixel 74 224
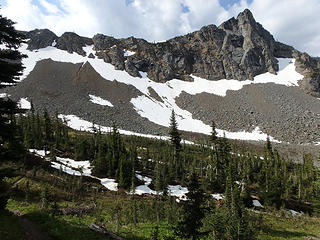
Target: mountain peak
pixel 246 14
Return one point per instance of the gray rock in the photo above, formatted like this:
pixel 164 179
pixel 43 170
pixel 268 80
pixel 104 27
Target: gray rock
pixel 71 42
pixel 131 68
pixel 91 55
pixel 40 38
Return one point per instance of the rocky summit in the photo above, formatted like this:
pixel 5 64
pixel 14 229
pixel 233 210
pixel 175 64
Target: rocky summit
pixel 266 85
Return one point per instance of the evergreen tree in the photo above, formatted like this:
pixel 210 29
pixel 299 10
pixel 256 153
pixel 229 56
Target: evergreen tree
pixel 174 134
pixel 193 211
pixel 48 129
pixel 213 136
pixel 10 70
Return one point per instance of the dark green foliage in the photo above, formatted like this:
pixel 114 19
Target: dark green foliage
pixel 213 136
pixel 174 134
pixel 45 198
pixel 10 70
pixel 10 65
pixel 192 210
pixel 3 194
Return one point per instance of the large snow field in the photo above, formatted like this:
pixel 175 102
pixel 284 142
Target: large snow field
pixel 159 112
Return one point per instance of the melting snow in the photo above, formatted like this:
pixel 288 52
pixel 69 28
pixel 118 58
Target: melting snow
pixel 3 95
pixel 178 191
pixel 82 168
pixel 146 106
pixel 128 53
pixel 256 203
pixel 24 103
pixel 144 189
pixel 39 152
pixel 100 101
pixel 217 196
pixel 77 123
pixel 295 213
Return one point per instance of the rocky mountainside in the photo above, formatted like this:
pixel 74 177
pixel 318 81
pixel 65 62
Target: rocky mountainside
pixel 238 49
pixel 186 73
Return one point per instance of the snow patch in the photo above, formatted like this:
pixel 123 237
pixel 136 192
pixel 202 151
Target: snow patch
pixel 77 123
pixel 4 95
pixel 24 103
pixel 295 213
pixel 109 183
pixel 128 53
pixel 144 189
pixel 40 153
pixel 178 191
pixel 217 196
pixel 256 203
pixel 82 168
pixel 100 101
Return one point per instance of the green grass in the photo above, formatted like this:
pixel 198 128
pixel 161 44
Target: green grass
pixel 10 226
pixel 285 227
pixel 59 227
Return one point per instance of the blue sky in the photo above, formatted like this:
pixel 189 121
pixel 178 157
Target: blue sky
pixel 227 4
pixel 291 21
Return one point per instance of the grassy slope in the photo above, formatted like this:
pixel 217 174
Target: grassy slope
pixel 275 226
pixel 282 227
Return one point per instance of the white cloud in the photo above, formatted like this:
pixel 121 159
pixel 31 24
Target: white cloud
pixel 26 14
pixel 291 22
pixel 51 8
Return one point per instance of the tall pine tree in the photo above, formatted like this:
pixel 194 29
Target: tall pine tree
pixel 193 210
pixel 174 134
pixel 10 70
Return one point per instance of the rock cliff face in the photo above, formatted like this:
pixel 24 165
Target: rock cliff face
pixel 40 38
pixel 239 48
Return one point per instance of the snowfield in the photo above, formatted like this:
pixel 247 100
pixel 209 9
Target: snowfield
pixel 159 112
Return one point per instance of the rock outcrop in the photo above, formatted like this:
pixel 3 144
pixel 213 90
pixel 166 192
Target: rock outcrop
pixel 40 38
pixel 309 67
pixel 239 48
pixel 72 42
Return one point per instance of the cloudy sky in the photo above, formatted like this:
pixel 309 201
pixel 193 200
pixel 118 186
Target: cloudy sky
pixel 295 22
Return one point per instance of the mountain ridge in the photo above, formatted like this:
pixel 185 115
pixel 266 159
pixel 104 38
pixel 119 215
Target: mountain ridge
pixel 184 73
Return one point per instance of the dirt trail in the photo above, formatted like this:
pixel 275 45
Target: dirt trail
pixel 32 230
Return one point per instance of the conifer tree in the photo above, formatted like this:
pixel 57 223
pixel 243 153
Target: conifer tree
pixel 193 211
pixel 174 134
pixel 213 136
pixel 48 129
pixel 10 70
